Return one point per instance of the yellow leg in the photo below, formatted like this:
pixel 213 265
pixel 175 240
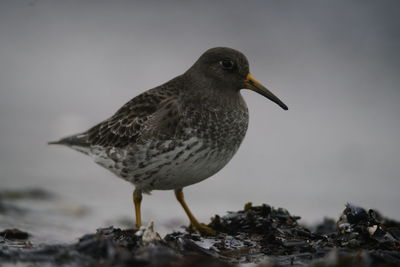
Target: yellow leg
pixel 137 199
pixel 201 227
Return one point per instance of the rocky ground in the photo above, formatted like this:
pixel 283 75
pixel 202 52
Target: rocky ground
pixel 256 235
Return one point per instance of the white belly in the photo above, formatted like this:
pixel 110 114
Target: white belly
pixel 191 168
pixel 148 169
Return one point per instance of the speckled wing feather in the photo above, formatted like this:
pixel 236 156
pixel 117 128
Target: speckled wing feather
pixel 134 122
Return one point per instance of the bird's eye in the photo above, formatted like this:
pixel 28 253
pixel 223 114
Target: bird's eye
pixel 227 64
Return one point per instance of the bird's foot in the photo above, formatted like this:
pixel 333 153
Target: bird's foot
pixel 203 229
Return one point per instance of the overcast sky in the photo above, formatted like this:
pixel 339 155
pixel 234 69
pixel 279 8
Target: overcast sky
pixel 66 65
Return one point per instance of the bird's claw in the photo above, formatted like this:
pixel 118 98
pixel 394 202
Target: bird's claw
pixel 203 229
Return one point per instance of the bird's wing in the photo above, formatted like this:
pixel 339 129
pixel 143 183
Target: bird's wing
pixel 163 123
pixel 152 113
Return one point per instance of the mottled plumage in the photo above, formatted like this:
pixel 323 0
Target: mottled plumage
pixel 178 133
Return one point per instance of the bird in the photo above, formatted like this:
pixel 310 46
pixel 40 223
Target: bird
pixel 179 133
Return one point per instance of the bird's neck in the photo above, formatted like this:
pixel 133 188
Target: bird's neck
pixel 208 90
pixel 215 101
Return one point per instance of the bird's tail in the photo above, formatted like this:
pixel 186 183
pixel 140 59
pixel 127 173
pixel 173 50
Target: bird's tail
pixel 55 142
pixel 72 140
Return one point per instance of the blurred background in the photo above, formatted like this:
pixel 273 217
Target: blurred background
pixel 67 65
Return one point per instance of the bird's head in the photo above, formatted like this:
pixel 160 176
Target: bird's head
pixel 228 69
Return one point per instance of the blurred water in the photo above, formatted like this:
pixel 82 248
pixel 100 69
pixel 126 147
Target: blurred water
pixel 66 65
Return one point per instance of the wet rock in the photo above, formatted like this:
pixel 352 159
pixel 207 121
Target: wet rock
pixel 261 235
pixel 264 234
pixel 367 230
pixel 14 234
pixel 326 227
pixel 107 247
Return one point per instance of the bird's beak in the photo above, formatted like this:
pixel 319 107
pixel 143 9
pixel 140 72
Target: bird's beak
pixel 253 84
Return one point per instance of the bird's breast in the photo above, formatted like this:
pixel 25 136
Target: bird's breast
pixel 221 125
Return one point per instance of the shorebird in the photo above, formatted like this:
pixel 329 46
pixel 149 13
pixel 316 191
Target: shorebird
pixel 179 133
